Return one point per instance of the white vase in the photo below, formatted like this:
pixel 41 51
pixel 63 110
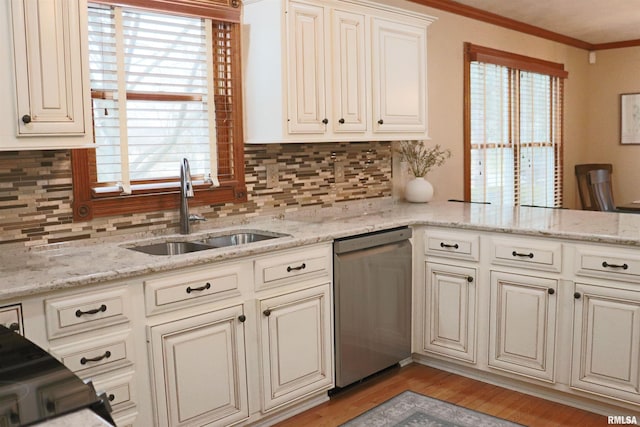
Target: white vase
pixel 418 190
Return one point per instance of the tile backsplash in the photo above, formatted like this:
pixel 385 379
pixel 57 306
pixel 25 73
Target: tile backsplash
pixel 36 190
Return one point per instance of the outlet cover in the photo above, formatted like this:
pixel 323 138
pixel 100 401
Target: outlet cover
pixel 338 172
pixel 272 176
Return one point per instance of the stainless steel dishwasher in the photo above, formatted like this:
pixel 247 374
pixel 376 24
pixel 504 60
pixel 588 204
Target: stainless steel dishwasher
pixel 372 290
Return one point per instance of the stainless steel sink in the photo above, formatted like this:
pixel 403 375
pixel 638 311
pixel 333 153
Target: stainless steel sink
pixel 239 238
pixel 233 238
pixel 171 248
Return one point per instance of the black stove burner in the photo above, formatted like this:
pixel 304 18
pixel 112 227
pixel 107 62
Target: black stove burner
pixel 34 386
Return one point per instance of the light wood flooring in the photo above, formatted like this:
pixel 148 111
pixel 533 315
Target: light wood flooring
pixel 482 397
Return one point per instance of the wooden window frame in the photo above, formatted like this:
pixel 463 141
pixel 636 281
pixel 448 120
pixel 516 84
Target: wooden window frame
pixel 87 204
pixel 513 61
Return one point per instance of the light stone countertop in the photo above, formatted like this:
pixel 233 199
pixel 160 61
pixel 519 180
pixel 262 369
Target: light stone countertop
pixel 29 272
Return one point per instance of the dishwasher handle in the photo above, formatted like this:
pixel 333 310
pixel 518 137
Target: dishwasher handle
pixel 370 240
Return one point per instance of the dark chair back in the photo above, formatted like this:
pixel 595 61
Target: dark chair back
pixel 584 187
pixel 600 190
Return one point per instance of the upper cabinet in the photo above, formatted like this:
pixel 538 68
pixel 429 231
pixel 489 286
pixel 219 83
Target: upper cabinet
pixel 319 71
pixel 45 89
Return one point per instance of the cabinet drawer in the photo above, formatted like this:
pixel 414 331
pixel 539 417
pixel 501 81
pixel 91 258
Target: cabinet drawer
pixel 118 387
pixel 87 311
pixel 292 265
pixel 529 254
pixel 108 352
pixel 452 245
pixel 194 286
pixel 610 263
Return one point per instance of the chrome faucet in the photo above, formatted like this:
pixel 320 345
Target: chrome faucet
pixel 186 192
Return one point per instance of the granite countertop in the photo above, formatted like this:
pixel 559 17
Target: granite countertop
pixel 28 272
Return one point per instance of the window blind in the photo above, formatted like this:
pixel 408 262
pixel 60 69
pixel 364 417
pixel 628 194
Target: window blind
pixel 515 135
pixel 151 78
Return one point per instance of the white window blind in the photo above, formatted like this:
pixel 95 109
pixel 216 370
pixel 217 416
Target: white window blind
pixel 515 136
pixel 151 80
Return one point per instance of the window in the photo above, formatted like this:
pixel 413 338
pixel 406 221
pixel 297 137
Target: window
pixel 165 84
pixel 513 128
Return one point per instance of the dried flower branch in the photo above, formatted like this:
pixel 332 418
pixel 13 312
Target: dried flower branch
pixel 420 158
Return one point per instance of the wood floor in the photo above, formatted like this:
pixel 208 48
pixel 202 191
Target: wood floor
pixel 487 398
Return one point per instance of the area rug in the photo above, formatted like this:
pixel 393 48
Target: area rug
pixel 409 409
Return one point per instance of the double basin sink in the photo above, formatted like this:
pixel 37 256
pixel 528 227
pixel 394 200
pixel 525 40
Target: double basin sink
pixel 232 238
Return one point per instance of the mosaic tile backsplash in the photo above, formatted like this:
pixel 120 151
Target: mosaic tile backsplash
pixel 36 190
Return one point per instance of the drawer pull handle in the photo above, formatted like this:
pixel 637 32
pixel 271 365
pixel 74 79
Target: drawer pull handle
pixel 267 312
pixel 624 266
pixel 529 255
pixel 444 245
pixel 101 309
pixel 551 291
pixel 300 267
pixel 201 288
pixel 85 360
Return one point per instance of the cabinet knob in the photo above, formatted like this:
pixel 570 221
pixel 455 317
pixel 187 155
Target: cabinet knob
pixel 26 119
pixel 469 279
pixel 15 327
pixel 325 121
pixel 577 295
pixel 341 121
pixel 380 121
pixel 267 312
pixel 551 291
pixel 242 318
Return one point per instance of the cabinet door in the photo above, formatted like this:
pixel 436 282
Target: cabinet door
pixel 399 76
pixel 523 324
pixel 48 66
pixel 606 342
pixel 296 345
pixel 450 311
pixel 199 369
pixel 307 103
pixel 349 72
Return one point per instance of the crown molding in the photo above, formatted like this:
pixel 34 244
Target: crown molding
pixel 512 24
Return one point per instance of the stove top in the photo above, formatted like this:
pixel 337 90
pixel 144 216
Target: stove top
pixel 34 386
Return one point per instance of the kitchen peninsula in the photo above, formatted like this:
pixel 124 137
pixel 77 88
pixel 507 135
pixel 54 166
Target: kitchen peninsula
pixel 545 301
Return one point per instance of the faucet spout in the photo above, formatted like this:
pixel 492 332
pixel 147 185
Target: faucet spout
pixel 186 192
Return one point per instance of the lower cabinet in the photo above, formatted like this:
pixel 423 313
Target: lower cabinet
pixel 296 345
pixel 450 311
pixel 522 327
pixel 199 369
pixel 606 344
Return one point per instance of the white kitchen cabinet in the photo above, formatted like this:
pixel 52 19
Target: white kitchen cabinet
pixel 399 81
pixel 314 85
pixel 296 345
pixel 46 93
pixel 307 104
pixel 351 77
pixel 92 331
pixel 606 342
pixel 450 311
pixel 522 327
pixel 199 371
